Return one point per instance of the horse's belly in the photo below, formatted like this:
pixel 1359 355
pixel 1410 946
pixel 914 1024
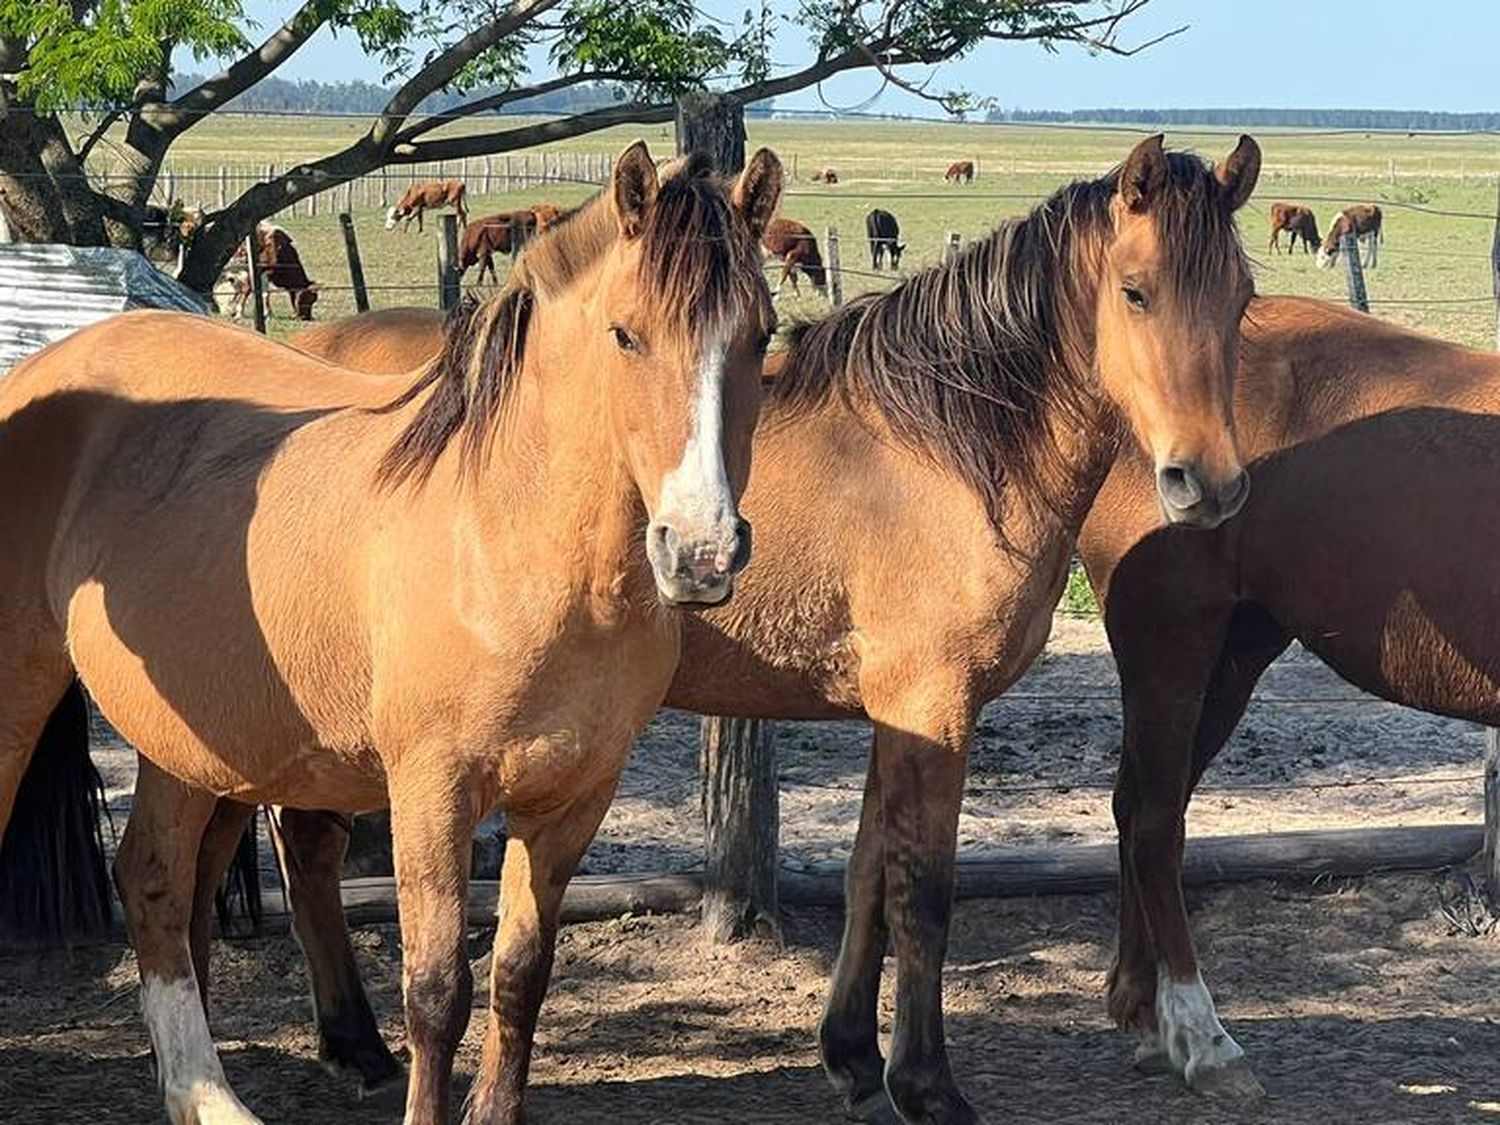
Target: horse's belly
pixel 216 718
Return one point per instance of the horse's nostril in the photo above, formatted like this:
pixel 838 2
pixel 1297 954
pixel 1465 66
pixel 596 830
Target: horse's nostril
pixel 1179 486
pixel 1233 494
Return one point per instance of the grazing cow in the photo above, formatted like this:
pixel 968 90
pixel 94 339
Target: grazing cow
pixel 495 234
pixel 548 214
pixel 960 172
pixel 280 265
pixel 1363 221
pixel 882 230
pixel 795 245
pixel 1298 221
pixel 428 196
pixel 825 176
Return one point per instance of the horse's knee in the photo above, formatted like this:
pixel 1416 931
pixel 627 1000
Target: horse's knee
pixel 437 1002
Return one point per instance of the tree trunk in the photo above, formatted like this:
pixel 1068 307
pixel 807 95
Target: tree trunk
pixel 713 124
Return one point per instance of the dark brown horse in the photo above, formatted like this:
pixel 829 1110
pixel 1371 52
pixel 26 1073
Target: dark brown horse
pixel 1363 221
pixel 965 420
pixel 1299 222
pixel 1370 537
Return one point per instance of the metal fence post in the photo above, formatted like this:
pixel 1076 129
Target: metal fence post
pixel 356 267
pixel 1349 244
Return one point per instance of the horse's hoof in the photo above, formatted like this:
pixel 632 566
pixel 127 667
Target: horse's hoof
pixel 1232 1082
pixel 874 1109
pixel 1151 1057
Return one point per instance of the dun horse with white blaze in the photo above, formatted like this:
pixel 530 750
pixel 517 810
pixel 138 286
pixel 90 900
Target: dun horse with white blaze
pixel 304 585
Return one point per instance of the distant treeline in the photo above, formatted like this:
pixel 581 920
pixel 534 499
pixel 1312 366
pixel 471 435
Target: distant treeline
pixel 1410 120
pixel 277 95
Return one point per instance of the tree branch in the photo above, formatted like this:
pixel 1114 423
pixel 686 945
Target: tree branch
pixel 499 100
pixel 98 132
pixel 184 112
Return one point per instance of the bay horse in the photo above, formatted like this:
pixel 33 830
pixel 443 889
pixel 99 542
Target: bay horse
pixel 428 196
pixel 1387 576
pixel 305 585
pixel 959 172
pixel 797 247
pixel 1298 221
pixel 1363 220
pixel 965 420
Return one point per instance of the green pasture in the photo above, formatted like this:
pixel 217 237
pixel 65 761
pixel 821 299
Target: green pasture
pixel 1434 270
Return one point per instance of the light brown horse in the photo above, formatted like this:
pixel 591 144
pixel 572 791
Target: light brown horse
pixel 964 420
pixel 1370 537
pixel 314 588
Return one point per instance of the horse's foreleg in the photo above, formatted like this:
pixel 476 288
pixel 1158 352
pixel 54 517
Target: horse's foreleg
pixel 432 823
pixel 921 751
pixel 155 871
pixel 312 846
pixel 1184 690
pixel 540 856
pixel 848 1035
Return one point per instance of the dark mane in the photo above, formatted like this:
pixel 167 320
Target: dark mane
pixel 698 263
pixel 984 363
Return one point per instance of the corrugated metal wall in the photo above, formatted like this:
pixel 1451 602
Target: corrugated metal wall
pixel 48 291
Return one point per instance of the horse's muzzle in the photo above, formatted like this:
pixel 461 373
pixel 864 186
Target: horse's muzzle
pixel 1190 499
pixel 699 571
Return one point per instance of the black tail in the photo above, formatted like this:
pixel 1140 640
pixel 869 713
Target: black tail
pixel 54 883
pixel 239 894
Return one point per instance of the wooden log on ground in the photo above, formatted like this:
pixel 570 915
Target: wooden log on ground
pixel 1027 870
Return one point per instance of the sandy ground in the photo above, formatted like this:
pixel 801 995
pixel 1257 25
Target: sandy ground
pixel 1354 1000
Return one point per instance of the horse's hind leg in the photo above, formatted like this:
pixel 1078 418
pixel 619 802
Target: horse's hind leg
pixel 848 1040
pixel 33 679
pixel 155 872
pixel 540 855
pixel 312 846
pixel 221 837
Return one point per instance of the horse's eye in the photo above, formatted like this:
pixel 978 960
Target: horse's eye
pixel 623 340
pixel 1135 298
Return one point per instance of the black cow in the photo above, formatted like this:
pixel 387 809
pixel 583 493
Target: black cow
pixel 883 231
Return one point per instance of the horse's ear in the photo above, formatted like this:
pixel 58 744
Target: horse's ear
pixel 1143 174
pixel 1238 172
pixel 758 190
pixel 634 188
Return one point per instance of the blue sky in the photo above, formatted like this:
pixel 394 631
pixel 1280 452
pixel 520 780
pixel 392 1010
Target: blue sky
pixel 1290 53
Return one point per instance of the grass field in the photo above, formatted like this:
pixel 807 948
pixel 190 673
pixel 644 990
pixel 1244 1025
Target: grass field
pixel 1434 270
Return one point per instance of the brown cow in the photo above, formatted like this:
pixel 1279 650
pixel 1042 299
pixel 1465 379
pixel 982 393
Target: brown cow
pixel 825 176
pixel 549 213
pixel 960 172
pixel 795 245
pixel 1299 222
pixel 280 265
pixel 431 195
pixel 1363 221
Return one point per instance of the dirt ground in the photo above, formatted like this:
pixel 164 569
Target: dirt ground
pixel 1357 1001
pixel 1354 1001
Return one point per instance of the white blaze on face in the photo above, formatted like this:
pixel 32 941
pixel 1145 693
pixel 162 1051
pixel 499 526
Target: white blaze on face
pixel 695 496
pixel 1325 259
pixel 1189 1027
pixel 188 1070
pixel 390 219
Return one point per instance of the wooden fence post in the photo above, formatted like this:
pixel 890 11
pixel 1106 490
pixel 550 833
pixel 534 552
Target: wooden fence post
pixel 736 756
pixel 1355 270
pixel 448 287
pixel 257 283
pixel 223 187
pixel 356 267
pixel 741 822
pixel 835 270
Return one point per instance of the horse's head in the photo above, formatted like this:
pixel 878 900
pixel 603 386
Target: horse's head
pixel 897 249
pixel 1172 287
pixel 680 322
pixel 303 301
pixel 392 217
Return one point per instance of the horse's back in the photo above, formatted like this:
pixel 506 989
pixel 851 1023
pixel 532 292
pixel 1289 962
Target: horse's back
pixel 383 342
